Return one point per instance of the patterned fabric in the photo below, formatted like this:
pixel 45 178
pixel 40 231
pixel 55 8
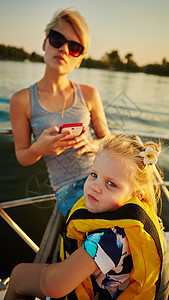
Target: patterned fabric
pixel 109 249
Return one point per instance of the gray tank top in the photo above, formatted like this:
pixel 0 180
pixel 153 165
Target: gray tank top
pixel 67 167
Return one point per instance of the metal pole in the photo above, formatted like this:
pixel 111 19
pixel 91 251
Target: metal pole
pixel 19 231
pixel 25 201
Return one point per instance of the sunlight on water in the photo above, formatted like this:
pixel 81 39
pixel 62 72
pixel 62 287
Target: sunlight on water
pixel 17 75
pixel 131 100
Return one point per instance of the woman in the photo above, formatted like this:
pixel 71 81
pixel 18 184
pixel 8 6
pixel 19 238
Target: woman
pixel 55 100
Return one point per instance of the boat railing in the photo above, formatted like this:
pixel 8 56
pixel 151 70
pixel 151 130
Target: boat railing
pixel 20 202
pixel 52 229
pixel 5 131
pixel 55 218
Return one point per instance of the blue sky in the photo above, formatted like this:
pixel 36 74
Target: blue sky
pixel 137 26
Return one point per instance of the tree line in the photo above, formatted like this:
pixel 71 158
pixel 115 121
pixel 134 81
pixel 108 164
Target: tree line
pixel 110 61
pixel 113 61
pixel 18 54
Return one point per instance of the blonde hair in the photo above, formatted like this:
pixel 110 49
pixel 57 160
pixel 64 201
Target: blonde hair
pixel 76 20
pixel 142 176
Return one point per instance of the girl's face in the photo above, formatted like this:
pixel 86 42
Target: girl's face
pixel 59 58
pixel 108 185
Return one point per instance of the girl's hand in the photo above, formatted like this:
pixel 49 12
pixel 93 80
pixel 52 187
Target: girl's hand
pixel 84 145
pixel 51 142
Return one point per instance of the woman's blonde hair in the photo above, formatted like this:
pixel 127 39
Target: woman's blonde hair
pixel 142 176
pixel 76 20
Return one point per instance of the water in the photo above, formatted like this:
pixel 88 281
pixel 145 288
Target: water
pixel 132 100
pixel 138 102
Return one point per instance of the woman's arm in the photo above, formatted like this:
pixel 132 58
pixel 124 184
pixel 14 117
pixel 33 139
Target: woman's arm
pixel 59 279
pixel 98 121
pixel 49 142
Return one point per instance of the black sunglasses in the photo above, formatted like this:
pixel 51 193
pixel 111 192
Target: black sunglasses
pixel 56 39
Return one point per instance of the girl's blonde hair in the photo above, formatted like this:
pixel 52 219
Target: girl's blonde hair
pixel 142 176
pixel 76 20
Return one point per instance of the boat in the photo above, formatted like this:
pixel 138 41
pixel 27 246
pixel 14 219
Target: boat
pixel 35 195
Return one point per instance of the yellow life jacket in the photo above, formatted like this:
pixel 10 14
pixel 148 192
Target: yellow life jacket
pixel 145 242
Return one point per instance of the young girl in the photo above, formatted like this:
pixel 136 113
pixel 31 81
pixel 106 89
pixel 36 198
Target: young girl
pixel 112 233
pixel 55 100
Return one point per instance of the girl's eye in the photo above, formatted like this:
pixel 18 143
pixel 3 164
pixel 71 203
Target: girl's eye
pixel 110 183
pixel 92 174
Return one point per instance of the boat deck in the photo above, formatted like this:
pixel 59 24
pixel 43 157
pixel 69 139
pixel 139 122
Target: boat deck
pixel 2 295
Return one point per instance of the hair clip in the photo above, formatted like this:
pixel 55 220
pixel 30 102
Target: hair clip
pixel 150 156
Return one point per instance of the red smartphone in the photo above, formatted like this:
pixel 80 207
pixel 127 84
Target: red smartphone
pixel 76 129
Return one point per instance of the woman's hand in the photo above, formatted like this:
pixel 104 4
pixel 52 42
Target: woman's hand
pixel 85 145
pixel 51 142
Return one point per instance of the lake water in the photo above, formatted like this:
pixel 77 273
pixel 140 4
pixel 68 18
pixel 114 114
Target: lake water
pixel 132 101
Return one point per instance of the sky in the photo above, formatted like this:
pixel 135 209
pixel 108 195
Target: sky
pixel 140 27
